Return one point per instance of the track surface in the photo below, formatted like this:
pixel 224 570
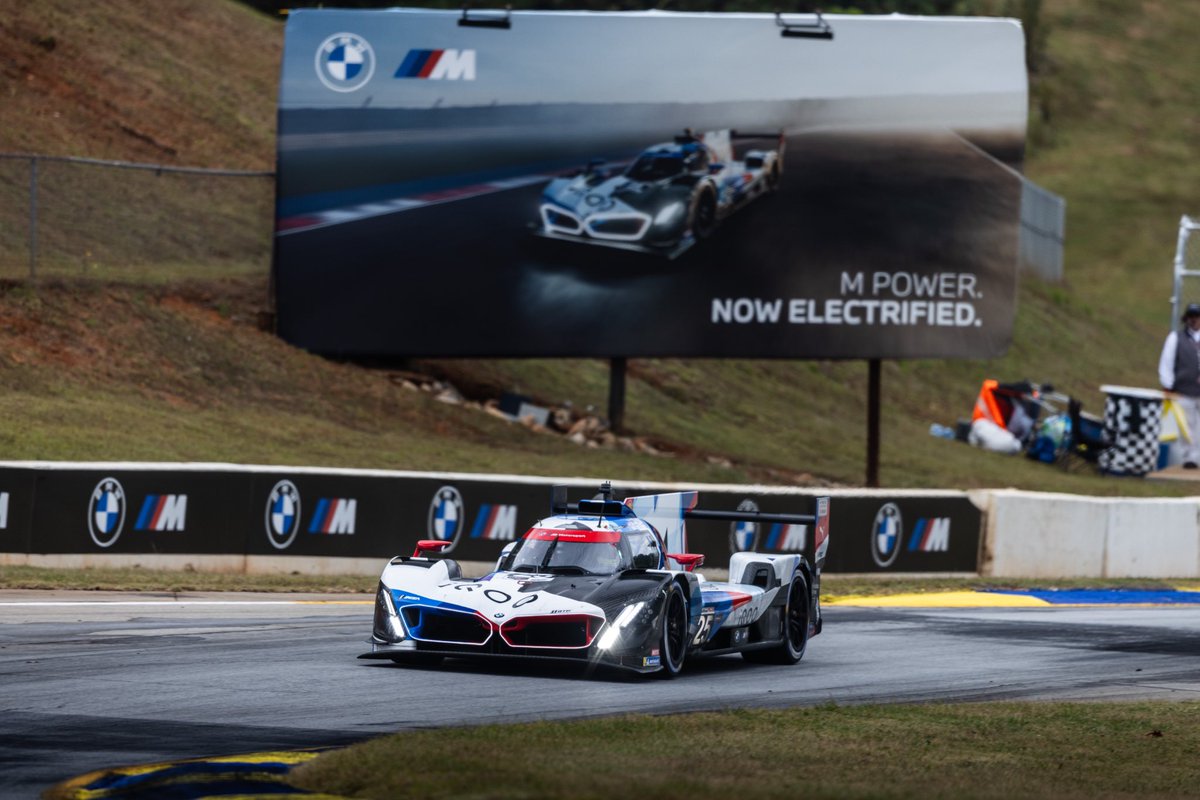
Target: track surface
pixel 97 681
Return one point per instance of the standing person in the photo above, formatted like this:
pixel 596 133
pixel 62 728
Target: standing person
pixel 1179 373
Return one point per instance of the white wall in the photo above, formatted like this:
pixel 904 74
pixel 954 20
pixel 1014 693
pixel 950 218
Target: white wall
pixel 1040 535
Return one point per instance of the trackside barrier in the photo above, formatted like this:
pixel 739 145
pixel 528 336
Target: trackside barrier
pixel 1030 534
pixel 224 517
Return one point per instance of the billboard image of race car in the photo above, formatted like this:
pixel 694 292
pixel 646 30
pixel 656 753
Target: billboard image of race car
pixel 672 195
pixel 605 583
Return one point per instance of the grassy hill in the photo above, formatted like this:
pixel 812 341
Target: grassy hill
pixel 136 366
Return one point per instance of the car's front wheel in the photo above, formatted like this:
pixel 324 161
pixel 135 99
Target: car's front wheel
pixel 672 640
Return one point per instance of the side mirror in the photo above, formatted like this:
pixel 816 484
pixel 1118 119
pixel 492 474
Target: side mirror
pixel 429 546
pixel 689 561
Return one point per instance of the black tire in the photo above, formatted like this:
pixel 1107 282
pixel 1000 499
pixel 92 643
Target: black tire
pixel 795 629
pixel 673 631
pixel 704 213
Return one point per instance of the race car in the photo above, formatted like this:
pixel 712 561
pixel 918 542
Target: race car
pixel 605 583
pixel 670 196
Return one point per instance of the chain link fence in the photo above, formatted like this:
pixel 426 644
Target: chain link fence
pixel 63 217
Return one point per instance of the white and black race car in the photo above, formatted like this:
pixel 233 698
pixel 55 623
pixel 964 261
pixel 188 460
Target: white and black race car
pixel 672 195
pixel 603 582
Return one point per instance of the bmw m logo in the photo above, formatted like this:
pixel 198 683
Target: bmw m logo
pixel 345 62
pixel 106 512
pixel 283 514
pixel 446 516
pixel 886 535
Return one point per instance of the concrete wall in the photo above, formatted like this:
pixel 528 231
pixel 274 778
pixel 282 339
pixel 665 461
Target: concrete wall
pixel 1041 535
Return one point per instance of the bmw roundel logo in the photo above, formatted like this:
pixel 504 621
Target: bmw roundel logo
pixel 283 514
pixel 345 62
pixel 446 516
pixel 106 512
pixel 886 534
pixel 743 532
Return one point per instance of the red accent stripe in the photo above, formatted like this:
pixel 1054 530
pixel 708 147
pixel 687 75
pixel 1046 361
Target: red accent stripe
pixel 589 537
pixel 739 599
pixel 488 530
pixel 430 63
pixel 325 523
pixel 162 501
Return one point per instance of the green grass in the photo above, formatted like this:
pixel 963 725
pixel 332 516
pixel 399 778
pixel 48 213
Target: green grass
pixel 144 344
pixel 1002 750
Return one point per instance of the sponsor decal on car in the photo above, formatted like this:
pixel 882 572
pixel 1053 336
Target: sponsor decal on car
pixel 886 535
pixel 162 512
pixel 345 62
pixel 930 535
pixel 334 515
pixel 446 516
pixel 283 514
pixel 106 512
pixel 437 65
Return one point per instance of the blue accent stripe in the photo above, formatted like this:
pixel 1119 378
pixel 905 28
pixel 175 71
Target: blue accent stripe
pixel 319 515
pixel 413 63
pixel 481 519
pixel 147 510
pixel 918 534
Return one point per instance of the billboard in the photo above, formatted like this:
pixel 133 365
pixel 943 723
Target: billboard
pixel 648 184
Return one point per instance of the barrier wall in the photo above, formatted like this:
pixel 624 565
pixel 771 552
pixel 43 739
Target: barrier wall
pixel 263 519
pixel 1030 534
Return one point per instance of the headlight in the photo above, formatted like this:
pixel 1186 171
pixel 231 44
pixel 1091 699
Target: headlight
pixel 613 633
pixel 668 214
pixel 388 626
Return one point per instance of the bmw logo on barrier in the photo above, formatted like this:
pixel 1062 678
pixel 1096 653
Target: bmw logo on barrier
pixel 887 534
pixel 106 512
pixel 446 516
pixel 345 62
pixel 743 532
pixel 283 514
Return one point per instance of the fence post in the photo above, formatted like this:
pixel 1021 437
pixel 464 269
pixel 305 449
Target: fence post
pixel 33 193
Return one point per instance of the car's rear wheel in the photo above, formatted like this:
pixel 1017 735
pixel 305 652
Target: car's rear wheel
pixel 794 639
pixel 672 640
pixel 704 213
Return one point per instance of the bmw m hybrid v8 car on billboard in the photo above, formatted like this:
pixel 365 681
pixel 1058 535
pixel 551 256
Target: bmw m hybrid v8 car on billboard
pixel 672 195
pixel 605 583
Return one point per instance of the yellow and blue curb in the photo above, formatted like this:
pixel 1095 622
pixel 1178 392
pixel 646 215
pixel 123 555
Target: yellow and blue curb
pixel 1023 598
pixel 240 777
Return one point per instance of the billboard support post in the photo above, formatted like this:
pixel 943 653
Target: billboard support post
pixel 873 373
pixel 616 394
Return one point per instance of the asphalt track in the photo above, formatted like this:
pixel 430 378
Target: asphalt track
pixel 95 680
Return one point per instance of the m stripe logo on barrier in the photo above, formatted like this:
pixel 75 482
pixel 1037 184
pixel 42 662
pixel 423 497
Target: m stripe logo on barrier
pixel 162 512
pixel 334 515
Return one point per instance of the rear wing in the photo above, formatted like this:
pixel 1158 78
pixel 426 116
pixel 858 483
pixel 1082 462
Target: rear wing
pixel 669 513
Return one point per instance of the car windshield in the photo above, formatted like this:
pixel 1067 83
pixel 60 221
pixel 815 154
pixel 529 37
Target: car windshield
pixel 656 167
pixel 570 551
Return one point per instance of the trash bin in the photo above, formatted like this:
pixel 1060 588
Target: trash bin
pixel 1132 421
